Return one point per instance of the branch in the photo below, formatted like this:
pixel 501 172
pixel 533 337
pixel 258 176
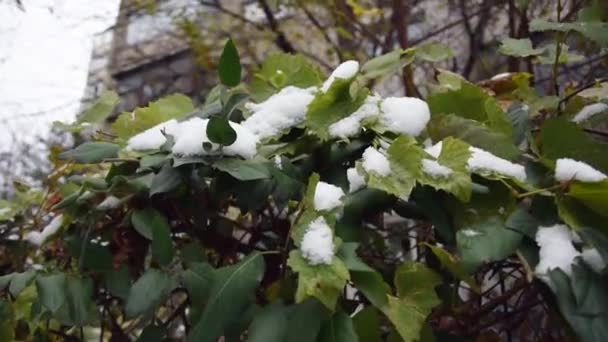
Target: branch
pixel 401 12
pixel 281 40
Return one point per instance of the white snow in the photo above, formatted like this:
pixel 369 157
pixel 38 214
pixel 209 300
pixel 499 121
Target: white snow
pixel 277 162
pixel 191 135
pixel 470 232
pixel 567 169
pixel 556 250
pixel 317 243
pixel 109 202
pixel 38 238
pixel 589 111
pixel 351 124
pixel 356 181
pixel 345 70
pixel 281 111
pixel 500 76
pixel 406 115
pixel 434 150
pixel 483 161
pixel 327 196
pixel 375 161
pixel 434 169
pixel 153 138
pixel 593 258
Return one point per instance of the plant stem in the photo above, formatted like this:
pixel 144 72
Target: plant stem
pixel 538 191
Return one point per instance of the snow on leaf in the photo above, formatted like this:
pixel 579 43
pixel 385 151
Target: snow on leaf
pixel 567 169
pixel 279 113
pixel 404 115
pixel 324 281
pixel 317 243
pixel 327 196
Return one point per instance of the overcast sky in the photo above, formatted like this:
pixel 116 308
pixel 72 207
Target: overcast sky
pixel 45 50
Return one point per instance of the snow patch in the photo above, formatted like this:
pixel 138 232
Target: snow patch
pixel 153 138
pixel 556 250
pixel 567 169
pixel 38 238
pixel 434 169
pixel 482 160
pixel 317 243
pixel 593 258
pixel 327 196
pixel 589 111
pixel 110 202
pixel 406 115
pixel 346 70
pixel 470 232
pixel 277 162
pixel 281 111
pixel 375 161
pixel 192 134
pixel 434 150
pixel 356 181
pixel 351 124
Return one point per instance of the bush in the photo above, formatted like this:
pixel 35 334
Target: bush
pixel 321 213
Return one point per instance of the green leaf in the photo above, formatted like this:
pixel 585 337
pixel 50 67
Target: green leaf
pixel 100 110
pixel 593 195
pixel 582 312
pixel 367 325
pixel 348 253
pixel 219 131
pixel 234 101
pixel 454 266
pixel 147 292
pixel 269 324
pixel 519 114
pixel 564 139
pixel 91 152
pixel 518 47
pixel 232 289
pixel 434 52
pixel 7 329
pixel 469 101
pixel 19 281
pixel 487 241
pixel 564 56
pixel 474 133
pixel 118 282
pixel 329 107
pixel 373 287
pixel 324 282
pixel 145 220
pixel 153 225
pixel 162 245
pixel 593 30
pixel 79 307
pixel 243 170
pixel 197 279
pixel 174 106
pixel 455 155
pixel 596 239
pixel 229 66
pixel 167 179
pixel 305 321
pixel 51 291
pixel 415 299
pixel 338 329
pixel 387 64
pixel 405 158
pixel 282 70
